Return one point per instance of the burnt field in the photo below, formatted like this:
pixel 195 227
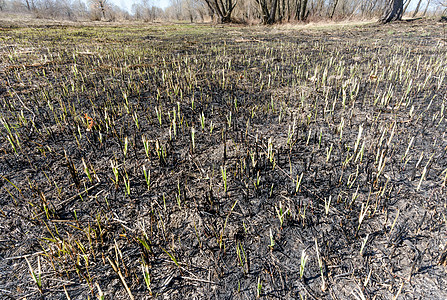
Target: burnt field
pixel 180 162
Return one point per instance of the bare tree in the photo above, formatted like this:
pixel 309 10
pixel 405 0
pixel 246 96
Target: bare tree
pixel 273 11
pixel 268 9
pixel 176 9
pixel 393 11
pixel 99 6
pixel 406 4
pixel 189 9
pixel 369 8
pixel 223 8
pixel 301 10
pixel 80 9
pixel 144 10
pixel 416 10
pixel 61 9
pixel 426 8
pixel 333 9
pixel 30 5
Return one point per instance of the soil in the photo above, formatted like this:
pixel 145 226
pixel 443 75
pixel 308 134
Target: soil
pixel 266 147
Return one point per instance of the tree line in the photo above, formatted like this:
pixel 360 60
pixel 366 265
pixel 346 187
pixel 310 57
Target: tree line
pixel 226 11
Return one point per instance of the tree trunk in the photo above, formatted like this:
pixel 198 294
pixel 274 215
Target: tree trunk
pixel 297 9
pixel 30 5
pixel 288 11
pixel 416 10
pixel 393 11
pixel 102 8
pixel 272 19
pixel 283 12
pixel 426 8
pixel 333 9
pixel 406 6
pixel 303 10
pixel 264 11
pixel 223 9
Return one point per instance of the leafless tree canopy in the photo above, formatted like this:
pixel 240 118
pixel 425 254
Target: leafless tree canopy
pixel 250 11
pixel 222 8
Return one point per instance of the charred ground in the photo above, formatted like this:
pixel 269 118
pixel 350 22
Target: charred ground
pixel 223 163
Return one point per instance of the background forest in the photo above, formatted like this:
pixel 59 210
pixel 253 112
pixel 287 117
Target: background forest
pixel 242 11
